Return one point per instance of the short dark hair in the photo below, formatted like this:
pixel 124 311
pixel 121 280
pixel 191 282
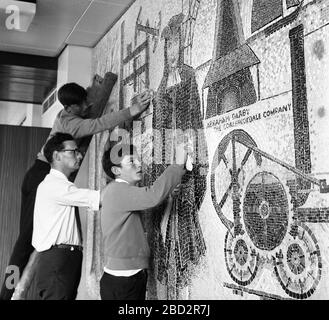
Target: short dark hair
pixel 113 156
pixel 71 93
pixel 55 143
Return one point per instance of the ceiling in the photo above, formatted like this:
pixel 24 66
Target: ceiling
pixel 28 60
pixel 58 23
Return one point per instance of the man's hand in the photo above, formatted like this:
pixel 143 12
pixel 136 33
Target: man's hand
pixel 141 103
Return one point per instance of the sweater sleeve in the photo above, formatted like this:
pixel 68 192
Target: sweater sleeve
pixel 136 198
pixel 79 127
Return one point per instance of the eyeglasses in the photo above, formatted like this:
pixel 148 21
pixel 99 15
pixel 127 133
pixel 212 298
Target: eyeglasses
pixel 76 151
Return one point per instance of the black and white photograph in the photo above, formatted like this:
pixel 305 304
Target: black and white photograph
pixel 171 150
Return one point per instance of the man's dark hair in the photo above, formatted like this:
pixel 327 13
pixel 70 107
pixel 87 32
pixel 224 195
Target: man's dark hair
pixel 55 143
pixel 113 156
pixel 71 93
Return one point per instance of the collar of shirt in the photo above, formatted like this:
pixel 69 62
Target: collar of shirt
pixel 58 174
pixel 121 180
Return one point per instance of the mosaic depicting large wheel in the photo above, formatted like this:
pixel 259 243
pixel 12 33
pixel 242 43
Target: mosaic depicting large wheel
pixel 227 175
pixel 265 211
pixel 298 264
pixel 230 162
pixel 242 261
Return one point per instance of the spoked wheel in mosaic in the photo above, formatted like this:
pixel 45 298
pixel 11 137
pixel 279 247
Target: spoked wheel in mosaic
pixel 298 264
pixel 242 260
pixel 227 176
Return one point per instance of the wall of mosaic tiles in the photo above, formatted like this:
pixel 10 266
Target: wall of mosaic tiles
pixel 250 76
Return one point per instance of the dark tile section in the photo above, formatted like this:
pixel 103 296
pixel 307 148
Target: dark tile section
pixel 264 12
pixel 229 79
pixel 282 22
pixel 292 3
pixel 263 295
pixel 140 69
pixel 122 43
pixel 299 101
pixel 313 215
pixel 234 61
pixel 266 210
pixel 178 107
pixel 228 39
pixel 233 92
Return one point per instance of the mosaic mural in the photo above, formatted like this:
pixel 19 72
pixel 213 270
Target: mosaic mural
pixel 267 235
pixel 251 76
pixel 178 107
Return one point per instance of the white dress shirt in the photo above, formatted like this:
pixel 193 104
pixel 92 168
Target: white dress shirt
pixel 121 273
pixel 54 219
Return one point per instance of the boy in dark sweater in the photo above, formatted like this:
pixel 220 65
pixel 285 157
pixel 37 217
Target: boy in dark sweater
pixel 126 251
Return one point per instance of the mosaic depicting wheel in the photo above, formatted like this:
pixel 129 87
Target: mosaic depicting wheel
pixel 242 261
pixel 229 161
pixel 266 211
pixel 298 264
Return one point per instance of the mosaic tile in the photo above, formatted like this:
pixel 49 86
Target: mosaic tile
pixel 253 78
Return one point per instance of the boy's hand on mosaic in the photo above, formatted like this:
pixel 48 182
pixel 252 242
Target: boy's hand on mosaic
pixel 181 153
pixel 142 102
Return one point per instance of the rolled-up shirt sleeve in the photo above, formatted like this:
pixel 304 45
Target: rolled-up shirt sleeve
pixel 73 196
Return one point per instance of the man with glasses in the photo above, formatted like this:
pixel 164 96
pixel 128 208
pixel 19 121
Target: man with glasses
pixel 72 120
pixel 55 231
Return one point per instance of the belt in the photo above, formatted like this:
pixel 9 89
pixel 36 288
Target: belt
pixel 71 247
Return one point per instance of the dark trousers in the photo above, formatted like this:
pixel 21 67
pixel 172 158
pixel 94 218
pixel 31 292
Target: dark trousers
pixel 123 288
pixel 58 274
pixel 23 247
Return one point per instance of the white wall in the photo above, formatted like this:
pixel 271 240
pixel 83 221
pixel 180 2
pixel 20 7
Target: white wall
pixel 14 113
pixel 33 115
pixel 74 65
